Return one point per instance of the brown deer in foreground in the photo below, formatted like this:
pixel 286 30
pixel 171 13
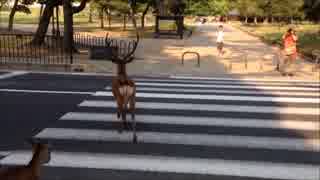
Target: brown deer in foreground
pixel 124 88
pixel 31 171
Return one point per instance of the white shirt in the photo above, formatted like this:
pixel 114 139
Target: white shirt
pixel 220 35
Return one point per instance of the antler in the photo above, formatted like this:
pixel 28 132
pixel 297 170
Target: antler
pixel 120 56
pixel 122 52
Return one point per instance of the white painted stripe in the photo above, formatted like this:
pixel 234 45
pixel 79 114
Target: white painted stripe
pixel 198 121
pixel 241 82
pixel 12 74
pixel 174 165
pixel 245 92
pixel 4 153
pixel 219 97
pixel 244 79
pixel 227 86
pixel 210 107
pixel 66 73
pixel 182 139
pixel 46 92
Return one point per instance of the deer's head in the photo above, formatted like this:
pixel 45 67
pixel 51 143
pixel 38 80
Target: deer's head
pixel 123 51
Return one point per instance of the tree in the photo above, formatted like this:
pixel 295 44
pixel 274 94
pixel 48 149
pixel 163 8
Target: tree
pixel 69 10
pixel 121 6
pixel 219 7
pixel 312 9
pixel 103 7
pixel 208 7
pixel 19 6
pixel 3 3
pixel 144 7
pixel 243 7
pixel 42 29
pixel 91 7
pixel 288 9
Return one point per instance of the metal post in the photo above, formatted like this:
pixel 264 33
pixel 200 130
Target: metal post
pixel 246 60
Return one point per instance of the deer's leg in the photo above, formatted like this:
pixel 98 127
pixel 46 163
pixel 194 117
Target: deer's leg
pixel 120 111
pixel 124 118
pixel 134 124
pixel 118 114
pixel 133 106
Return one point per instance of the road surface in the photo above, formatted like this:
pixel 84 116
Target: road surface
pixel 188 128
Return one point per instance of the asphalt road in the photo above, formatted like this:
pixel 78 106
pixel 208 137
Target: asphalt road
pixel 31 102
pixel 188 128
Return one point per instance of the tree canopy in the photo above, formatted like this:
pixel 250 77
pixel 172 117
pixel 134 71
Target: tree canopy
pixel 208 7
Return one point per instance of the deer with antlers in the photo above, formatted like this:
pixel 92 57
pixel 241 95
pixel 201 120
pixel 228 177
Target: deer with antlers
pixel 124 88
pixel 31 171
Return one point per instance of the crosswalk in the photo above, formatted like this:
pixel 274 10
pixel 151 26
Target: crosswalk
pixel 191 128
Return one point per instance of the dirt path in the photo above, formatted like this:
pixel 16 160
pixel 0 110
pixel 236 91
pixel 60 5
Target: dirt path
pixel 163 56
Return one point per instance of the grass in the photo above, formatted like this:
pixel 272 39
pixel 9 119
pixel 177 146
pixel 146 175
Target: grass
pixel 21 18
pixel 309 34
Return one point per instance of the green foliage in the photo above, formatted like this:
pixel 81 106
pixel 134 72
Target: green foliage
pixel 208 7
pixel 22 6
pixel 312 9
pixel 275 8
pixel 118 6
pixel 250 8
pixel 3 4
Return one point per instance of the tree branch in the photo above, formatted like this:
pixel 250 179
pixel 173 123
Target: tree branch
pixel 147 8
pixel 79 8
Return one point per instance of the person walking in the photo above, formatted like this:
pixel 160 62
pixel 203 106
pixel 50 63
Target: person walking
pixel 220 39
pixel 289 40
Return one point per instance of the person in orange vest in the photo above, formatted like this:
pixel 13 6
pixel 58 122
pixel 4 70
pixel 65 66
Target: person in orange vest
pixel 289 40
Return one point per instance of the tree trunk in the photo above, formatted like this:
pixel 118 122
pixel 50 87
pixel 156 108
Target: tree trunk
pixel 53 24
pixel 265 20
pixel 124 22
pixel 68 26
pixel 58 26
pixel 41 32
pixel 161 7
pixel 144 15
pixel 1 5
pixel 143 21
pixel 11 16
pixel 101 19
pixel 90 14
pixel 41 11
pixel 69 10
pixel 109 18
pixel 255 20
pixel 291 20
